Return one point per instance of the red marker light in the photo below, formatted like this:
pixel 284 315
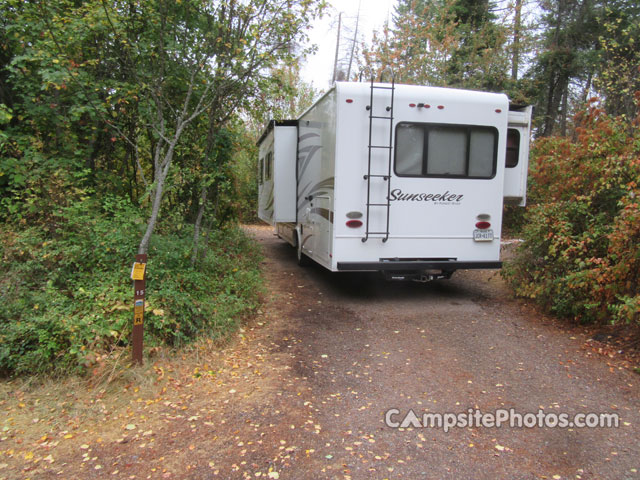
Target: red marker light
pixel 412 105
pixel 440 107
pixel 498 110
pixel 349 100
pixel 354 223
pixel 483 225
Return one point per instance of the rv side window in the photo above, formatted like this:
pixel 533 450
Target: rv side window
pixel 459 151
pixel 269 167
pixel 513 147
pixel 261 173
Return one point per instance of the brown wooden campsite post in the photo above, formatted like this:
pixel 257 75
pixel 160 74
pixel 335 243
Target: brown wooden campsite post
pixel 138 274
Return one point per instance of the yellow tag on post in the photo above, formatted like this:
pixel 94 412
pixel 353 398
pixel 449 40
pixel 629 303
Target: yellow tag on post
pixel 138 311
pixel 137 272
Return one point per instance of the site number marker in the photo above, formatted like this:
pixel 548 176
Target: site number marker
pixel 138 275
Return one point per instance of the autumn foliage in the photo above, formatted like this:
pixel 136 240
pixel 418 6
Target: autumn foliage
pixel 581 255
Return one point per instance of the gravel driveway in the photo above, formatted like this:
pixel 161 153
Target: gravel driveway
pixel 302 392
pixel 357 346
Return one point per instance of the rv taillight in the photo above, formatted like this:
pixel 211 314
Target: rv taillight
pixel 412 105
pixel 440 107
pixel 483 225
pixel 349 100
pixel 354 223
pixel 498 110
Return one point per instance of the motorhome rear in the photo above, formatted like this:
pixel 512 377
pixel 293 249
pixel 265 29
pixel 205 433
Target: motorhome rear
pixel 408 180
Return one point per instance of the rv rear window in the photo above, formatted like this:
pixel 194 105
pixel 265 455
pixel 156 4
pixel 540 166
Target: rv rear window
pixel 434 150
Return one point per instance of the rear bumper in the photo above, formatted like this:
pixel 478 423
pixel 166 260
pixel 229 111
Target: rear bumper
pixel 444 265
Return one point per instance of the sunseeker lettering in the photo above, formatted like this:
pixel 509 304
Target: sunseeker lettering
pixel 398 195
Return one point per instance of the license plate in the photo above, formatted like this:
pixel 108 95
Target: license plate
pixel 483 235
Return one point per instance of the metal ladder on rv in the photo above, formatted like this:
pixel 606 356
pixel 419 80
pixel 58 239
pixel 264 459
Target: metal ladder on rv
pixel 371 148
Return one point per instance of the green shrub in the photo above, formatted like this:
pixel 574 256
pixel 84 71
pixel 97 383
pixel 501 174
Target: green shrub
pixel 66 297
pixel 581 255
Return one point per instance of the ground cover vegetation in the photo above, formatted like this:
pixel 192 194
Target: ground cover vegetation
pixel 123 132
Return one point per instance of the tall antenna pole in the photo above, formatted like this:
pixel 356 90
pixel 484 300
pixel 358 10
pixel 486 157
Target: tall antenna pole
pixel 335 61
pixel 355 39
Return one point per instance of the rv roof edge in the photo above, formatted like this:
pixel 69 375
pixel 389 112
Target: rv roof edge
pixel 275 123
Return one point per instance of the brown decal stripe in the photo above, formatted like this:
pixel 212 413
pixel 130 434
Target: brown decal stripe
pixel 316 190
pixel 269 202
pixel 326 183
pixel 307 136
pixel 312 150
pixel 304 240
pixel 323 212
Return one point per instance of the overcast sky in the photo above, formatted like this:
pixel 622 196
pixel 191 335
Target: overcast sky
pixel 318 69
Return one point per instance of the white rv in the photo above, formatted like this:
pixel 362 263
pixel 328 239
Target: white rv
pixel 407 180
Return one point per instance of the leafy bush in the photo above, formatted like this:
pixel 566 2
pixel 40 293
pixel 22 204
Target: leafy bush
pixel 66 297
pixel 581 255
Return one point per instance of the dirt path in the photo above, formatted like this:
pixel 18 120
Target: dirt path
pixel 303 392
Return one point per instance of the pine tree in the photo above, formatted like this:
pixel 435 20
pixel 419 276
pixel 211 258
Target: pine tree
pixel 443 42
pixel 568 62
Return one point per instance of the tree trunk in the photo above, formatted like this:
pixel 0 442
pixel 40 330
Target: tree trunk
pixel 587 89
pixel 211 137
pixel 162 164
pixel 205 238
pixel 155 211
pixel 196 227
pixel 550 114
pixel 209 224
pixel 517 22
pixel 565 106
